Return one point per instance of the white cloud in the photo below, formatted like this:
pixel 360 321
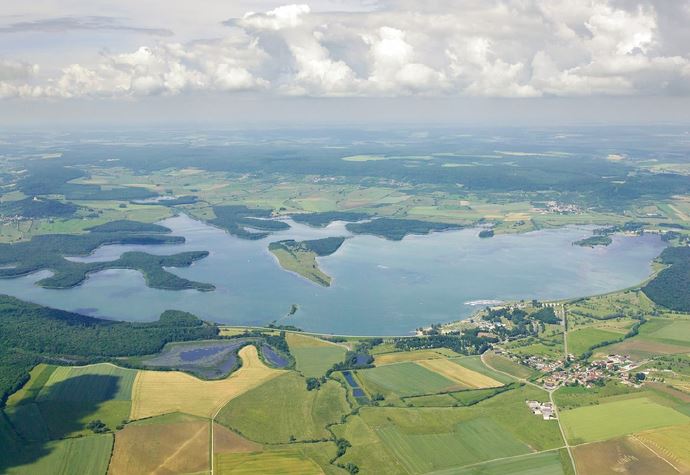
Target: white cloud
pixel 493 48
pixel 287 16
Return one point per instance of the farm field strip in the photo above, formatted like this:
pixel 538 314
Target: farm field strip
pixel 405 379
pixel 455 372
pixel 401 356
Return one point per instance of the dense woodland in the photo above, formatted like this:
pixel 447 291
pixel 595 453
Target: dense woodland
pixel 32 333
pixel 37 208
pixel 396 229
pixel 234 219
pixel 320 247
pixel 49 251
pixel 467 343
pixel 671 287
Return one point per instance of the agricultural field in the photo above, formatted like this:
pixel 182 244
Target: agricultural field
pixel 475 363
pixel 173 443
pixel 506 365
pixel 616 418
pixel 405 379
pixel 155 393
pixel 79 455
pixel 314 356
pixel 657 336
pixel 453 370
pixel 59 401
pixel 292 459
pixel 546 463
pixel 420 440
pixel 626 455
pixel 415 355
pixel 671 442
pixel 580 341
pixel 282 410
pixel 667 331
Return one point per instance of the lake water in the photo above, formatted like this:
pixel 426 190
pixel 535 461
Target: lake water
pixel 379 287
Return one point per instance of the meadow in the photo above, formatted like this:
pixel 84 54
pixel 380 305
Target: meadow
pixel 580 341
pixel 282 410
pixel 314 356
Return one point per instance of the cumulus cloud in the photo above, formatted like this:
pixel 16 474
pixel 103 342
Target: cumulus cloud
pixel 491 48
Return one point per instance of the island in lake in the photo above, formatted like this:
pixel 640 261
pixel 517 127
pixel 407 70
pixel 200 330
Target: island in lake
pixel 300 256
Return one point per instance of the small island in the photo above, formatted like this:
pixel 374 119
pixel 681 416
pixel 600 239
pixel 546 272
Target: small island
pixel 486 233
pixel 596 240
pixel 395 229
pixel 300 256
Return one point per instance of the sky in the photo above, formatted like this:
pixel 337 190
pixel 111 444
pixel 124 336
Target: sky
pixel 345 61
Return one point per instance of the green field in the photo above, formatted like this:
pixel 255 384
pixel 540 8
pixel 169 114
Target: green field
pixel 613 419
pixel 282 409
pixel 60 401
pixel 314 357
pixel 282 462
pixel 579 341
pixel 501 363
pixel 673 332
pixel 469 442
pixel 88 383
pixel 433 400
pixel 546 463
pixel 404 379
pixel 83 455
pixel 416 440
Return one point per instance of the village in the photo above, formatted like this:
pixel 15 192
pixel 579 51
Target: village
pixel 578 373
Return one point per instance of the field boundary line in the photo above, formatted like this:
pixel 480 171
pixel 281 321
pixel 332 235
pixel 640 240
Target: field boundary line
pixel 655 453
pixel 502 458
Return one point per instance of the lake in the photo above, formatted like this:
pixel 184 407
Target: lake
pixel 379 287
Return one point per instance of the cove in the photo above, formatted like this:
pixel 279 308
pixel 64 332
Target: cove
pixel 379 287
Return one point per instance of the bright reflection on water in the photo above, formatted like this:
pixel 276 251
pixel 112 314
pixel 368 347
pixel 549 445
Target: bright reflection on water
pixel 379 287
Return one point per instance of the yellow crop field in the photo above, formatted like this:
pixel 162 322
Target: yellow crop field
pixel 284 462
pixel 671 443
pixel 161 392
pixel 455 372
pixel 399 357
